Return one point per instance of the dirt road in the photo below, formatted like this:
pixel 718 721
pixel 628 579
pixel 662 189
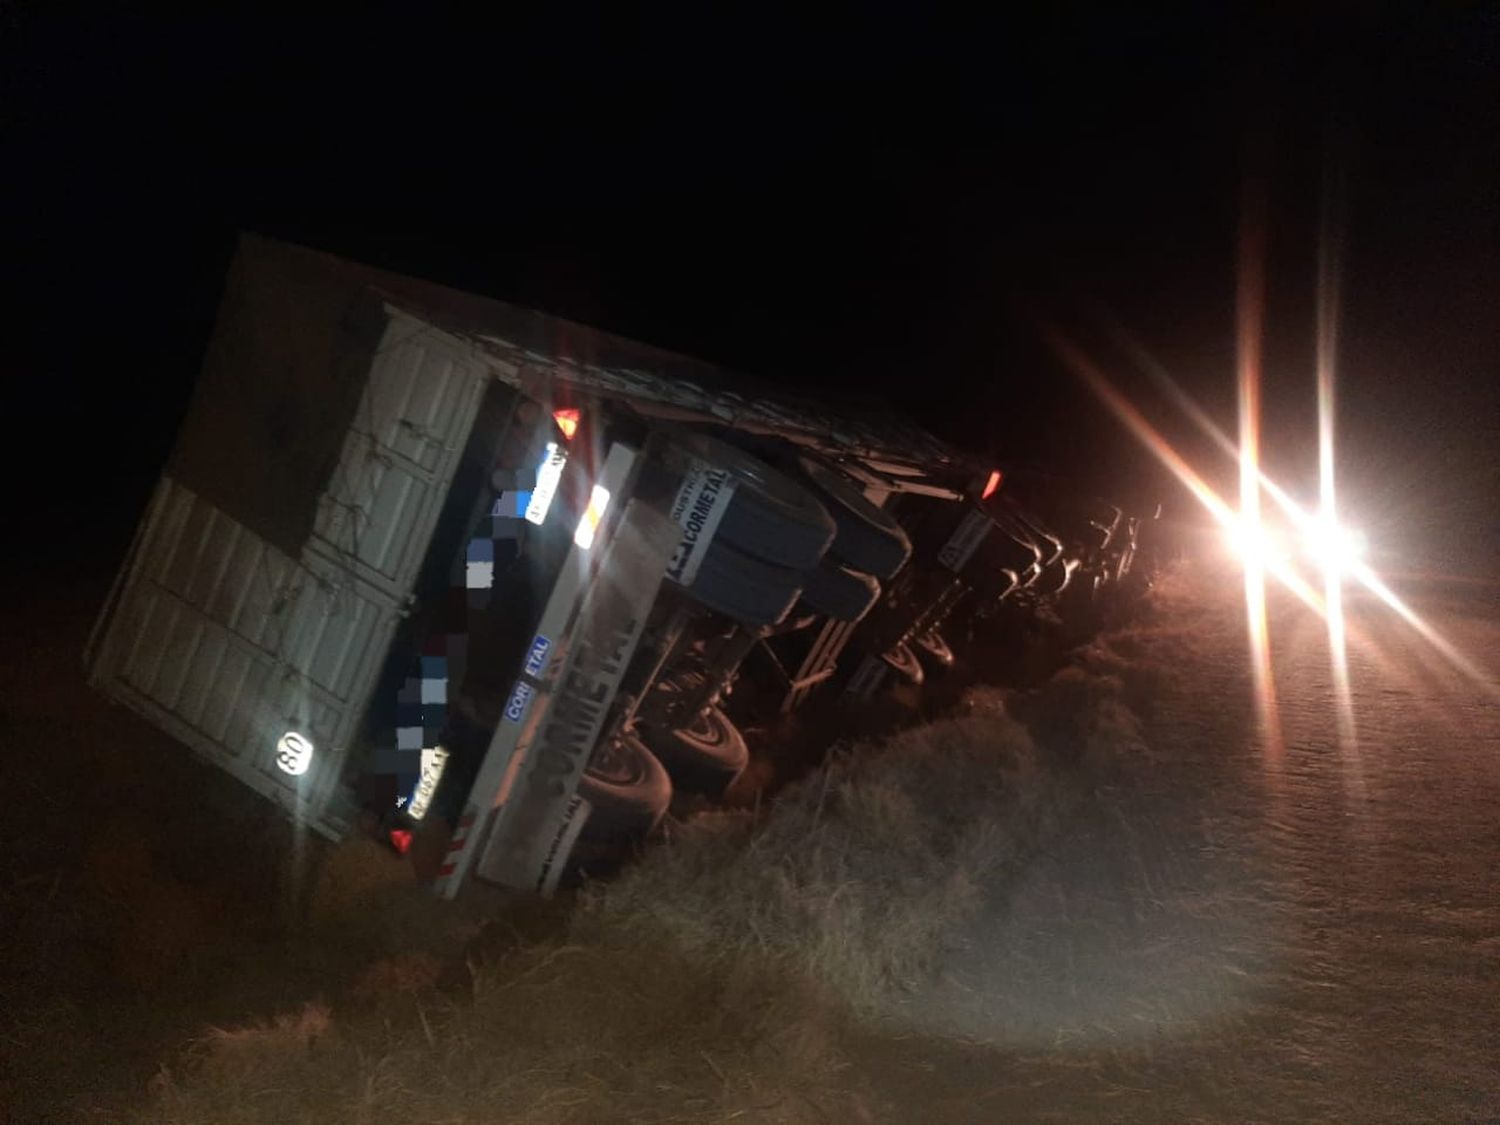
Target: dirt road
pixel 1232 931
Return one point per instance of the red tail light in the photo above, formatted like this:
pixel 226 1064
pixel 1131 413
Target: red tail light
pixel 992 484
pixel 567 422
pixel 401 840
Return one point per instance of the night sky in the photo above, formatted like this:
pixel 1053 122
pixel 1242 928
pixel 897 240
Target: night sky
pixel 883 208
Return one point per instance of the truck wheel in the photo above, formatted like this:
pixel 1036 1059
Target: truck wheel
pixel 1007 548
pixel 867 538
pixel 628 789
pixel 771 516
pixel 743 588
pixel 705 756
pixel 935 648
pixel 904 662
pixel 841 592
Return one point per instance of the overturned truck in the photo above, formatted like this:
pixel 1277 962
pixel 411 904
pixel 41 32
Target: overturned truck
pixel 493 587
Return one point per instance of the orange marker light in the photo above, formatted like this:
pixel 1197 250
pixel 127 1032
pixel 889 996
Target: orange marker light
pixel 567 422
pixel 991 485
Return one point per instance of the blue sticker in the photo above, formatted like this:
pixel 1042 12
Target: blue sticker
pixel 536 659
pixel 520 699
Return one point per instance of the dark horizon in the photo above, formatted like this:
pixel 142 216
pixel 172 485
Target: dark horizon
pixel 888 210
pixel 395 730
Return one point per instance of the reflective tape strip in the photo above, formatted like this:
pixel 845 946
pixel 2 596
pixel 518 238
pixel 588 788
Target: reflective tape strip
pixel 588 523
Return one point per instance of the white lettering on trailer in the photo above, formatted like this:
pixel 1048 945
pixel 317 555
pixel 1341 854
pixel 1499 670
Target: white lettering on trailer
pixel 962 544
pixel 536 659
pixel 701 502
pixel 520 700
pixel 562 844
pixel 598 650
pixel 511 742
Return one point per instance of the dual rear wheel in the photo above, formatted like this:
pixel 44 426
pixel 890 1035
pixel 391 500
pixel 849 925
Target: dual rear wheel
pixel 796 531
pixel 630 781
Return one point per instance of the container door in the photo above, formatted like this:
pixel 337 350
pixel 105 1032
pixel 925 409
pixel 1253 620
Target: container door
pixel 399 456
pixel 264 663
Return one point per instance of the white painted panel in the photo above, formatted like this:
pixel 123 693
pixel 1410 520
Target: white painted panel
pixel 227 644
pixel 222 694
pixel 264 574
pixel 242 720
pixel 198 686
pixel 400 454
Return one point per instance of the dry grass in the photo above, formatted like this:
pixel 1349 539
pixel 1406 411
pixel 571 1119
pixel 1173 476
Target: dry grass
pixel 858 874
pixel 733 974
pixel 556 1034
pixel 711 983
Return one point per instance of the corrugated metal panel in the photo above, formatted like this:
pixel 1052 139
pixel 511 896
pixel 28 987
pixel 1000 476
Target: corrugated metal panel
pixel 227 644
pixel 400 454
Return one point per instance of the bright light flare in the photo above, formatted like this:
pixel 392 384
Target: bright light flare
pixel 1134 421
pixel 1334 548
pixel 1256 545
pixel 1250 317
pixel 1450 652
pixel 1300 519
pixel 588 524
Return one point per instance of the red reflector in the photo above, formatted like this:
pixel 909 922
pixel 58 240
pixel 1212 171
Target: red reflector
pixel 993 483
pixel 401 840
pixel 567 422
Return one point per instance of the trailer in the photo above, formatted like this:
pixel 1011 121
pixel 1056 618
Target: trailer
pixel 484 582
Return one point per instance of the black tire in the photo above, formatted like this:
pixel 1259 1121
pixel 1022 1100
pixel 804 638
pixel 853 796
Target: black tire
pixel 904 663
pixel 746 589
pixel 771 516
pixel 628 789
pixel 867 538
pixel 707 756
pixel 840 592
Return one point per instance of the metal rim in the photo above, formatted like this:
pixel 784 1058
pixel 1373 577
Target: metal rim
pixel 901 658
pixel 614 763
pixel 703 728
pixel 932 643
